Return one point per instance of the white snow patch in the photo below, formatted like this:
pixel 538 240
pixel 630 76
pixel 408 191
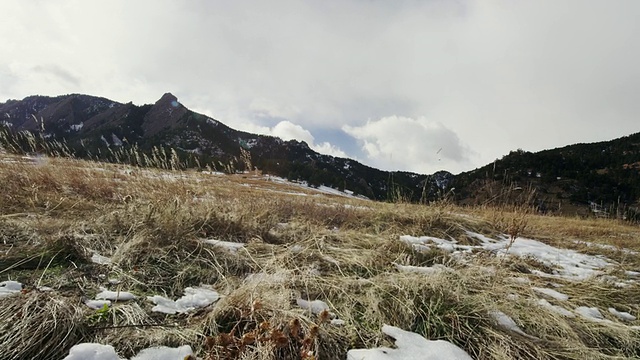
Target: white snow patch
pixel 92 351
pixel 557 309
pixel 9 287
pixel 419 243
pixel 551 293
pixel 193 298
pixel 114 295
pixel 507 322
pixel 99 259
pixel 591 313
pixel 315 306
pixel 164 353
pixel 624 316
pixel 116 140
pixel 571 264
pixel 233 247
pixel 97 304
pixel 606 246
pixel 410 346
pixel 77 127
pixel 435 269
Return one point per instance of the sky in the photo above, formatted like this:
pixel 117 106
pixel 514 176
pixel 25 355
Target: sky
pixel 405 85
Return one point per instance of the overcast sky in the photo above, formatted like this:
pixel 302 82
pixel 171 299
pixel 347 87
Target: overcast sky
pixel 400 85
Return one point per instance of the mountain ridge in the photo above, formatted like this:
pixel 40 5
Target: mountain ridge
pixel 585 178
pixel 93 126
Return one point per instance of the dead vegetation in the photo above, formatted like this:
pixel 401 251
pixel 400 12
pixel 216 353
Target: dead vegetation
pixel 57 214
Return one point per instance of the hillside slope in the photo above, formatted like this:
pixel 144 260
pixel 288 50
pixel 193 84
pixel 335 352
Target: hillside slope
pixel 98 128
pixel 601 177
pixel 240 267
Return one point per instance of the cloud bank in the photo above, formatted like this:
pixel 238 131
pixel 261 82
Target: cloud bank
pixel 490 76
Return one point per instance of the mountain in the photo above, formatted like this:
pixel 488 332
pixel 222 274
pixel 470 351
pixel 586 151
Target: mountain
pixel 93 127
pixel 601 178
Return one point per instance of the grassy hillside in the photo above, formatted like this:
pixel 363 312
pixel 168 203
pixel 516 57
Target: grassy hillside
pixel 70 229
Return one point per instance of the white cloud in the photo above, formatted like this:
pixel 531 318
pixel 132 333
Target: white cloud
pixel 286 130
pixel 403 143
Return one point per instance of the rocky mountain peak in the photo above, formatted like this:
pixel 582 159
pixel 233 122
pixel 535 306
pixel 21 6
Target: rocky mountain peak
pixel 164 114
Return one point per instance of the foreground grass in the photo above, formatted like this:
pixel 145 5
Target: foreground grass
pixel 55 214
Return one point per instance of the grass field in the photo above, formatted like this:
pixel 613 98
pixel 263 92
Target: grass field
pixel 299 274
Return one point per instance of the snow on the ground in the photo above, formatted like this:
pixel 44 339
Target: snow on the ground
pixel 233 247
pixel 99 259
pixel 551 293
pixel 410 346
pixel 315 306
pixel 591 313
pixel 93 351
pixel 193 298
pixel 606 246
pixel 164 353
pixel 507 322
pixel 555 308
pixel 423 242
pixel 97 304
pixel 622 315
pixel 9 287
pixel 570 263
pixel 435 269
pixel 105 294
pixel 322 189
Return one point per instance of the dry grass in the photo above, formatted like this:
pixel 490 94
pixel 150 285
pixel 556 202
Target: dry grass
pixel 56 213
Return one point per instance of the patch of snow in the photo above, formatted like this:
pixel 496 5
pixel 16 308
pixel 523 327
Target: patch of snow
pixel 591 313
pixel 231 246
pixel 315 306
pixel 506 322
pixel 337 322
pixel 164 353
pixel 193 298
pixel 435 269
pixel 551 293
pixel 45 288
pixel 77 127
pixel 99 259
pixel 624 316
pixel 423 242
pixel 92 351
pixel 116 140
pixel 605 246
pixel 97 304
pixel 410 346
pixel 9 287
pixel 632 273
pixel 114 295
pixel 213 172
pixel 571 264
pixel 557 309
